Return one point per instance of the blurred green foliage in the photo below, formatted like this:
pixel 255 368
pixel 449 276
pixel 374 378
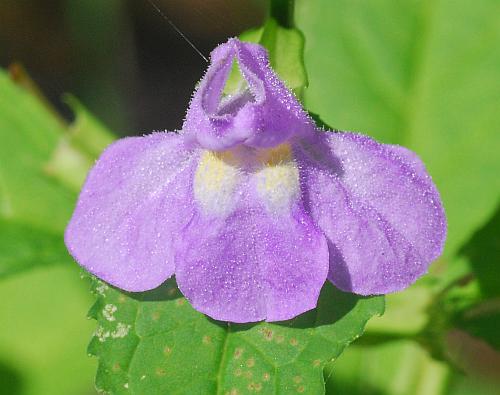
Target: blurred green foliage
pixel 44 333
pixel 43 160
pixel 426 75
pixel 42 164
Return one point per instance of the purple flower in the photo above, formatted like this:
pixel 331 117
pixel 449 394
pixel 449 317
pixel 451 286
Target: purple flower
pixel 252 207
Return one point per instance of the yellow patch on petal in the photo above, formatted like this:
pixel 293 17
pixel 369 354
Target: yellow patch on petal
pixel 272 172
pixel 275 156
pixel 278 180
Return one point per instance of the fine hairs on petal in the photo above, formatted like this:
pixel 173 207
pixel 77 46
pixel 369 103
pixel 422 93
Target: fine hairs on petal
pixel 252 207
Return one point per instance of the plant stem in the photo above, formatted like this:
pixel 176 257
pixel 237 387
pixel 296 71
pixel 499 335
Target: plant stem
pixel 282 12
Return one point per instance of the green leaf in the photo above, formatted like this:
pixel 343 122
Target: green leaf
pixel 482 252
pixel 23 247
pixel 29 134
pixel 424 74
pixel 286 54
pixel 155 342
pixel 475 300
pixel 33 208
pixel 42 165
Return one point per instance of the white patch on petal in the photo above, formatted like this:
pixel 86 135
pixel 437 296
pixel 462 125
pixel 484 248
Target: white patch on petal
pixel 277 182
pixel 270 172
pixel 278 186
pixel 215 181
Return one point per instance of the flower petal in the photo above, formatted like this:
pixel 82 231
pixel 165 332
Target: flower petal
pixel 132 205
pixel 266 114
pixel 258 257
pixel 378 208
pixel 250 267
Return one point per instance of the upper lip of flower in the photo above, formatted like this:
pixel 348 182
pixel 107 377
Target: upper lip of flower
pixel 263 115
pixel 228 106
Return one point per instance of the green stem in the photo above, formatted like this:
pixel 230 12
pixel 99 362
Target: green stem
pixel 282 12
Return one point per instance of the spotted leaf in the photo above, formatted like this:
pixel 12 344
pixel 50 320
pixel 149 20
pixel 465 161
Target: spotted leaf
pixel 155 342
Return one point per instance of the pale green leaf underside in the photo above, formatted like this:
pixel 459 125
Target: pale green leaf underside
pixel 285 47
pixel 29 134
pixel 42 165
pixel 155 342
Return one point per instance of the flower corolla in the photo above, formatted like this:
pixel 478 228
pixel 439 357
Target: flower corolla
pixel 253 207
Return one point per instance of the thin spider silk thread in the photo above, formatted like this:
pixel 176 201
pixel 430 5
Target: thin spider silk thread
pixel 173 25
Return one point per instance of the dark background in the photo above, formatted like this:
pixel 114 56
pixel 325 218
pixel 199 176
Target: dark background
pixel 121 57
